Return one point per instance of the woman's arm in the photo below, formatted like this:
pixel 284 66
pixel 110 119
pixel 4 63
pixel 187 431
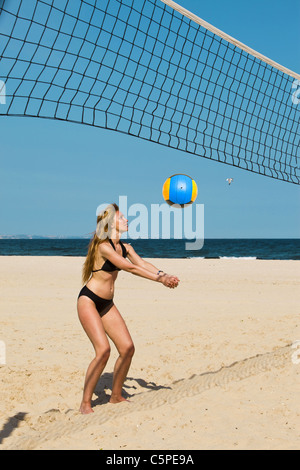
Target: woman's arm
pixel 109 253
pixel 137 260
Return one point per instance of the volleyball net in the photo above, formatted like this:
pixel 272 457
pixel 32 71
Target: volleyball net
pixel 150 69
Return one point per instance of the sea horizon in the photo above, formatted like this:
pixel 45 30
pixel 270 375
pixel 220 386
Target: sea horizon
pixel 85 237
pixel 213 248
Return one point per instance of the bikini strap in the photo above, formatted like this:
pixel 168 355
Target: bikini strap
pixel 124 251
pixel 110 241
pixel 112 244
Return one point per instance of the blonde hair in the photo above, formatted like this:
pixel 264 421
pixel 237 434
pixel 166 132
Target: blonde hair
pixel 105 224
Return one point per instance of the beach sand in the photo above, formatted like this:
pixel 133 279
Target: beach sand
pixel 213 367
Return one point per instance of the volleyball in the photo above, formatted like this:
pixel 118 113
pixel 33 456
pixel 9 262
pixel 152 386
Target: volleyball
pixel 180 189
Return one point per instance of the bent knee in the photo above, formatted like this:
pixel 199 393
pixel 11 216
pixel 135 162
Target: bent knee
pixel 103 354
pixel 127 350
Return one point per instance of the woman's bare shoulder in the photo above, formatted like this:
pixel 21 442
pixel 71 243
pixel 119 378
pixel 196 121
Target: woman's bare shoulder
pixel 104 247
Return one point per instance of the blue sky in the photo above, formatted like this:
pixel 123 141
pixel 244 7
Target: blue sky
pixel 54 174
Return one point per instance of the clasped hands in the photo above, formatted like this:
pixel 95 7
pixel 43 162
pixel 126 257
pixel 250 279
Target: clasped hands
pixel 169 280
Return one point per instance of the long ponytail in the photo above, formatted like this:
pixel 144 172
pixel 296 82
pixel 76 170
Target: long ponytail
pixel 105 223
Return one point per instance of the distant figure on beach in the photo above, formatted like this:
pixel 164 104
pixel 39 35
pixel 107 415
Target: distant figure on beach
pixel 96 310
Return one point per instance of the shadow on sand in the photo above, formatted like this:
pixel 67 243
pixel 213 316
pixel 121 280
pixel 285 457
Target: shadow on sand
pixel 11 424
pixel 104 385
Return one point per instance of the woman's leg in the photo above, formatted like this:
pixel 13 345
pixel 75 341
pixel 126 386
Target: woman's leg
pixel 92 324
pixel 116 329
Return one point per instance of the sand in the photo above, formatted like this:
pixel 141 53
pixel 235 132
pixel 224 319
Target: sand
pixel 214 367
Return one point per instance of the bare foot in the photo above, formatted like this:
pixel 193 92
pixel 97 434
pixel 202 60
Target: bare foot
pixel 115 400
pixel 86 409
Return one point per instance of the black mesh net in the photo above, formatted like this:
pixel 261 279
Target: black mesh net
pixel 141 68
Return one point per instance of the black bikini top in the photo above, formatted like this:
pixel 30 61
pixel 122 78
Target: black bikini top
pixel 108 265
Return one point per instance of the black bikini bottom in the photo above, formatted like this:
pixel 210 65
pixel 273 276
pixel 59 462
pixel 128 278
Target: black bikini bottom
pixel 102 305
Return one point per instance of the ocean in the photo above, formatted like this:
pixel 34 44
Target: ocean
pixel 268 249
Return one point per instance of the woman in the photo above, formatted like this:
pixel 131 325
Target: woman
pixel 96 310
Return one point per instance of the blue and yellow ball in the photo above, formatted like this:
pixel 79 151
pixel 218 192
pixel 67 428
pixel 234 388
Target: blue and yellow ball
pixel 180 190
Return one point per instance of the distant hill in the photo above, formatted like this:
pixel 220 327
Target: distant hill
pixel 40 237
